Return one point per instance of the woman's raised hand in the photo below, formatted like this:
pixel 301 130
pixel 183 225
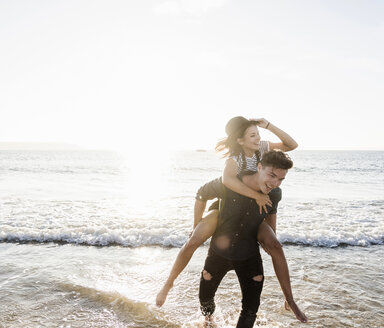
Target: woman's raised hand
pixel 261 122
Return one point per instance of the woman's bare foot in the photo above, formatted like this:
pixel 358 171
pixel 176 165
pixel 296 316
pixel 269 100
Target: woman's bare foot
pixel 292 306
pixel 162 295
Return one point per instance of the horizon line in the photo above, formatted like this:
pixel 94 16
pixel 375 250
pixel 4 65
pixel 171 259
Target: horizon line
pixel 62 146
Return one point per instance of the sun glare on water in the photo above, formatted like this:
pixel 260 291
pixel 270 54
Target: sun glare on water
pixel 145 176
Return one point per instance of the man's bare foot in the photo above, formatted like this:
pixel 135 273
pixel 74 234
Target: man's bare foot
pixel 209 322
pixel 162 295
pixel 291 305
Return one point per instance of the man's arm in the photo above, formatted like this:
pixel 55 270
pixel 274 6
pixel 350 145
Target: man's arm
pixel 275 196
pixel 271 220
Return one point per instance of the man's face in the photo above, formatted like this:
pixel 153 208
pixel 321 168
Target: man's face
pixel 270 178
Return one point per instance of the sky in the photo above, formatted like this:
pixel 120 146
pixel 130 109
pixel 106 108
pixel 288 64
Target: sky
pixel 156 75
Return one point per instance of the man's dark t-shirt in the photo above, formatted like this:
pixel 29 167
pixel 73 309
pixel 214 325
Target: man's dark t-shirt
pixel 235 237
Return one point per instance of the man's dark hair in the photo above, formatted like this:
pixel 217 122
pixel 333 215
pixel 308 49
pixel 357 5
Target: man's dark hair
pixel 277 159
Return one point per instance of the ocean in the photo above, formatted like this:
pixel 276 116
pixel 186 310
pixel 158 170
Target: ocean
pixel 88 237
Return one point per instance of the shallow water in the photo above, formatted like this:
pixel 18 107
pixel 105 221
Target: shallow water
pixel 86 240
pixel 53 285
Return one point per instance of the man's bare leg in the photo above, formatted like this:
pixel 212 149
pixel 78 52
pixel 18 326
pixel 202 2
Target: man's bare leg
pixel 200 234
pixel 267 238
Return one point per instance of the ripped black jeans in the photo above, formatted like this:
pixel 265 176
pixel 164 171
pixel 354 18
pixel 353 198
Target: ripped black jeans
pixel 247 271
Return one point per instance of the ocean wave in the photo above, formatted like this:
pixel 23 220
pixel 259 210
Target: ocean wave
pixel 332 242
pixel 104 239
pixel 95 238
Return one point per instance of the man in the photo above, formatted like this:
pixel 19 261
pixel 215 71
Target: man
pixel 234 244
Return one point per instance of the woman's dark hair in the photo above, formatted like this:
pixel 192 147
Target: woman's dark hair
pixel 276 159
pixel 230 143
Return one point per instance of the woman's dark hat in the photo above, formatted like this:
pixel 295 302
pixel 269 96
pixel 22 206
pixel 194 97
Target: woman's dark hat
pixel 234 124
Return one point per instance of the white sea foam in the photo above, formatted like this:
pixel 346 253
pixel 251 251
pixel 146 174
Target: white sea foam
pixel 136 238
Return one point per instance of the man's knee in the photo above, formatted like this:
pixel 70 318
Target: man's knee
pixel 258 278
pixel 206 275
